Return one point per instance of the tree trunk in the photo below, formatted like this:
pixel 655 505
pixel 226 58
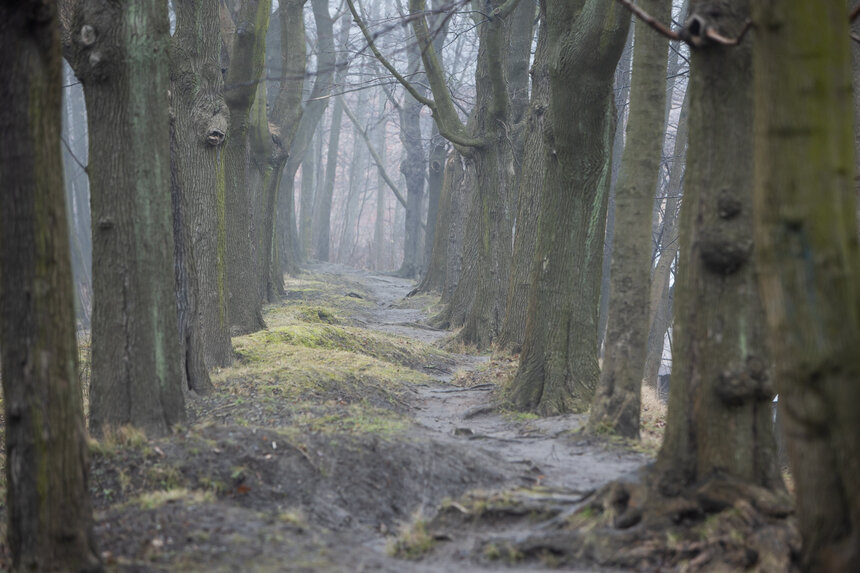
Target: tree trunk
pixel 807 236
pixel 199 124
pixel 719 419
pixel 558 369
pixel 309 185
pixel 413 166
pixel 313 111
pixel 617 400
pixel 120 54
pixel 660 317
pixel 529 191
pixel 246 65
pixel 379 224
pixel 322 209
pixel 50 525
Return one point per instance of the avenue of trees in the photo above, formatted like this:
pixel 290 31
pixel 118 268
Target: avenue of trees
pixel 579 180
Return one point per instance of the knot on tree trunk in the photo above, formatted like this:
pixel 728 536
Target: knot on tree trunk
pixel 749 383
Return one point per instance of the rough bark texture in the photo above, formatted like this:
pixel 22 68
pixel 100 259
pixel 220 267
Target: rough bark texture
pixel 47 500
pixel 806 228
pixel 477 304
pixel 445 254
pixel 240 90
pixel 558 367
pixel 529 191
pixel 120 54
pixel 719 402
pixel 199 119
pixel 617 400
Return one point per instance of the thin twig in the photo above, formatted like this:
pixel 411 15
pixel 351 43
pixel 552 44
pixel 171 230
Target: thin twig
pixel 72 153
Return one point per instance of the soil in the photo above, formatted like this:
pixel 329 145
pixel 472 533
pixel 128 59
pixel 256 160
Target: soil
pixel 430 477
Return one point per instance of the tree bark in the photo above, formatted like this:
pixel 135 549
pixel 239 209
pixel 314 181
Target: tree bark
pixel 50 524
pixel 719 420
pixel 809 275
pixel 120 54
pixel 244 70
pixel 322 209
pixel 660 317
pixel 530 181
pixel 617 400
pixel 558 369
pixel 199 124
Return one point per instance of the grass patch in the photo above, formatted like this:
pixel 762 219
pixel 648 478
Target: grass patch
pixel 114 439
pixel 652 420
pixel 413 541
pixel 155 499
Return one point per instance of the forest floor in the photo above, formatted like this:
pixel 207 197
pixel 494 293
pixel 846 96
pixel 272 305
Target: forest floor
pixel 344 438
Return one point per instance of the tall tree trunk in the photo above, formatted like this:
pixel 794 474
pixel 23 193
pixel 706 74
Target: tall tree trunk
pixel 413 166
pixel 719 421
pixel 309 185
pixel 199 125
pixel 120 54
pixel 530 182
pixel 617 401
pixel 660 317
pixel 558 369
pixel 379 224
pixel 322 208
pixel 49 515
pixel 313 112
pixel 810 280
pixel 240 89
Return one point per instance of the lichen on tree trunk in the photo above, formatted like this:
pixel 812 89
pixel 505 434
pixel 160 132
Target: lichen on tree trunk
pixel 808 256
pixel 558 369
pixel 49 522
pixel 616 403
pixel 120 54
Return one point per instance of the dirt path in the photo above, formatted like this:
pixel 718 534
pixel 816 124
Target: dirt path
pixel 547 452
pixel 326 445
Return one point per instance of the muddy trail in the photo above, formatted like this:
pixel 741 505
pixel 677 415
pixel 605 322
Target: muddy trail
pixel 344 438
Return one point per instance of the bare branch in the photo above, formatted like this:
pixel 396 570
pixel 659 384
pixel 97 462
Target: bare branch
pixel 651 21
pixel 367 36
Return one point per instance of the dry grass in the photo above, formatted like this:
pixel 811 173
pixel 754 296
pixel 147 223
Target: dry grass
pixel 652 421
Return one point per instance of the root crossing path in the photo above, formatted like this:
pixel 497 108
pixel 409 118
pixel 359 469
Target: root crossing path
pixel 555 468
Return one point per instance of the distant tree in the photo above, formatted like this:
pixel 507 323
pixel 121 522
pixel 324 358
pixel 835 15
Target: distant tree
pixel 558 369
pixel 47 500
pixel 808 255
pixel 616 405
pixel 120 54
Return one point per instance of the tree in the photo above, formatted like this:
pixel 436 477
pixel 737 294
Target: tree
pixel 617 403
pixel 247 54
pixel 120 54
pixel 478 302
pixel 48 505
pixel 199 123
pixel 808 256
pixel 530 181
pixel 558 369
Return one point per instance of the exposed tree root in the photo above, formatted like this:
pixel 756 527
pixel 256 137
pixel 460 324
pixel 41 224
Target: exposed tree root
pixel 722 524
